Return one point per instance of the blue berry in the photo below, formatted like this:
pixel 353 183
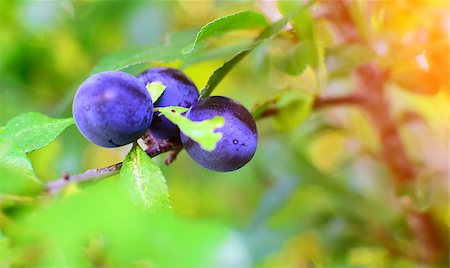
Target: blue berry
pixel 239 134
pixel 112 109
pixel 180 91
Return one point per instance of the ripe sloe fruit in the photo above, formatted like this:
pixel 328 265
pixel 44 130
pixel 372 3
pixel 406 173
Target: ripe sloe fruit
pixel 239 134
pixel 112 109
pixel 180 91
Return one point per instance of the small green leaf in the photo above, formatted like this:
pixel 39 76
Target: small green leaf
pixel 296 59
pixel 293 109
pixel 145 179
pixel 201 132
pixel 156 89
pixel 237 21
pixel 32 131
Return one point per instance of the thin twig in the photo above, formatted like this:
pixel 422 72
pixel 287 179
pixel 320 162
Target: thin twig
pixel 55 186
pixel 93 175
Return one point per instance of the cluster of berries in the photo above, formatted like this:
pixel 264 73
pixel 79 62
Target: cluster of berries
pixel 114 108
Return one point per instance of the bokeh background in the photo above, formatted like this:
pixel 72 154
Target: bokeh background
pixel 319 191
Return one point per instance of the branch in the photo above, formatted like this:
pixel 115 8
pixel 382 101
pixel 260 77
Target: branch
pixel 268 112
pixel 370 83
pixel 319 103
pixel 326 102
pixel 53 187
pixel 156 147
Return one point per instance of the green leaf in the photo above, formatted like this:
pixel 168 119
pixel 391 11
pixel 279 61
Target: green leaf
pixel 156 89
pixel 147 183
pixel 32 131
pixel 267 34
pixel 201 132
pixel 237 21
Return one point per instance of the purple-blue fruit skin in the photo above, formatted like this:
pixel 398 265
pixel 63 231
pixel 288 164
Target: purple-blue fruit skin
pixel 180 91
pixel 112 109
pixel 239 134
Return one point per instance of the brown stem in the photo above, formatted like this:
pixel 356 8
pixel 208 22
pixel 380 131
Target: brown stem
pixel 319 103
pixel 325 102
pixel 268 112
pixel 370 83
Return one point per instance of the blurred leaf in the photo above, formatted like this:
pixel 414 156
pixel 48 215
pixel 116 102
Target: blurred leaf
pixel 342 59
pixel 6 254
pixel 360 127
pixel 155 89
pixel 147 183
pixel 129 235
pixel 293 107
pixel 301 248
pixel 327 150
pixel 307 51
pixel 202 132
pixel 302 21
pixel 32 131
pixel 368 257
pixel 417 80
pixel 273 199
pixel 295 59
pixel 238 21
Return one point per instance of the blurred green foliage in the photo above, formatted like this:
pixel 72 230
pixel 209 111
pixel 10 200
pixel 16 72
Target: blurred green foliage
pixel 316 194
